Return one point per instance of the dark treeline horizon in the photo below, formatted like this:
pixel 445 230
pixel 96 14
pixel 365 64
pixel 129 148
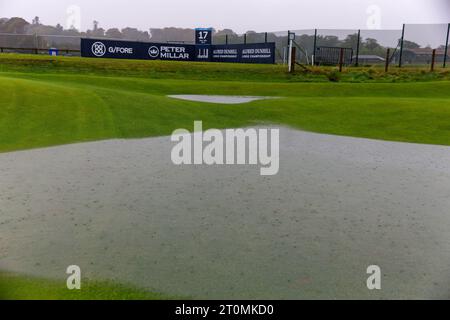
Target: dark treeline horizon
pixel 18 25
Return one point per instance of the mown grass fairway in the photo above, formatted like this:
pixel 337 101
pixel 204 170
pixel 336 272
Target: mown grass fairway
pixel 42 107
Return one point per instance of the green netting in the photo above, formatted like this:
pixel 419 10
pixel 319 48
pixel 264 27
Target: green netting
pixel 370 48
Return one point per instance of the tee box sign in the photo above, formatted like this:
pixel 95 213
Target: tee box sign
pixel 203 36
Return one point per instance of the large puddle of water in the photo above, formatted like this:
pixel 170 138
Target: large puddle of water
pixel 122 211
pixel 219 99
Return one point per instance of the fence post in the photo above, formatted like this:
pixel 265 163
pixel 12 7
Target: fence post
pixel 401 47
pixel 446 46
pixel 265 37
pixel 226 39
pixel 36 44
pixel 293 57
pixel 433 59
pixel 341 59
pixel 245 38
pixel 289 38
pixel 388 56
pixel 315 47
pixel 357 48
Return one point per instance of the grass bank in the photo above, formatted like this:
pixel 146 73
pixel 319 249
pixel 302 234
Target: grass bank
pixel 40 108
pixel 20 287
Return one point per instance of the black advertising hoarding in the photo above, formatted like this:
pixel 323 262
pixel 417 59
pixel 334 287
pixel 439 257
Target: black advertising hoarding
pixel 258 53
pixel 110 49
pixel 237 53
pixel 244 53
pixel 137 50
pixel 176 52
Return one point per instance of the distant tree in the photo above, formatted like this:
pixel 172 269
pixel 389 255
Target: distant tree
pixel 410 45
pixel 59 28
pixel 135 34
pixel 328 41
pixel 221 35
pixel 36 21
pixel 100 32
pixel 172 34
pixel 371 46
pixel 113 33
pixel 351 41
pixel 225 32
pixel 14 25
pixel 96 30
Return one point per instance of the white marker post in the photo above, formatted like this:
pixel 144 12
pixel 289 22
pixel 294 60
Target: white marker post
pixel 291 43
pixel 290 56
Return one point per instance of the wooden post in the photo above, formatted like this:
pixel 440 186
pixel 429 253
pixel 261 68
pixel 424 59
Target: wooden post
pixel 293 56
pixel 388 56
pixel 402 40
pixel 315 48
pixel 289 39
pixel 433 59
pixel 357 48
pixel 36 43
pixel 341 59
pixel 446 46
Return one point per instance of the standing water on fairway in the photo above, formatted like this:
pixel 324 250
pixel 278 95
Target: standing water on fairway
pixel 122 211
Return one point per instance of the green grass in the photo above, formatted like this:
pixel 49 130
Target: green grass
pixel 54 105
pixel 19 287
pixel 209 71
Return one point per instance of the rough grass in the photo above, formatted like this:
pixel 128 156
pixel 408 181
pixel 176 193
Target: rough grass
pixel 19 287
pixel 211 71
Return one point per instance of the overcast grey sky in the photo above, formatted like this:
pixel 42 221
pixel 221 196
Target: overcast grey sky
pixel 239 15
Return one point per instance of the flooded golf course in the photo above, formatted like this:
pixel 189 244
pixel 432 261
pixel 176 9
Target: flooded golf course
pixel 122 211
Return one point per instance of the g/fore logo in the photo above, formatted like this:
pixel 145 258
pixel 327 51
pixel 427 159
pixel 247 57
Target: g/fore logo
pixel 120 50
pixel 99 49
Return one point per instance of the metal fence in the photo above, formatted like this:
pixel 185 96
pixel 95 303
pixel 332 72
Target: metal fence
pixel 410 46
